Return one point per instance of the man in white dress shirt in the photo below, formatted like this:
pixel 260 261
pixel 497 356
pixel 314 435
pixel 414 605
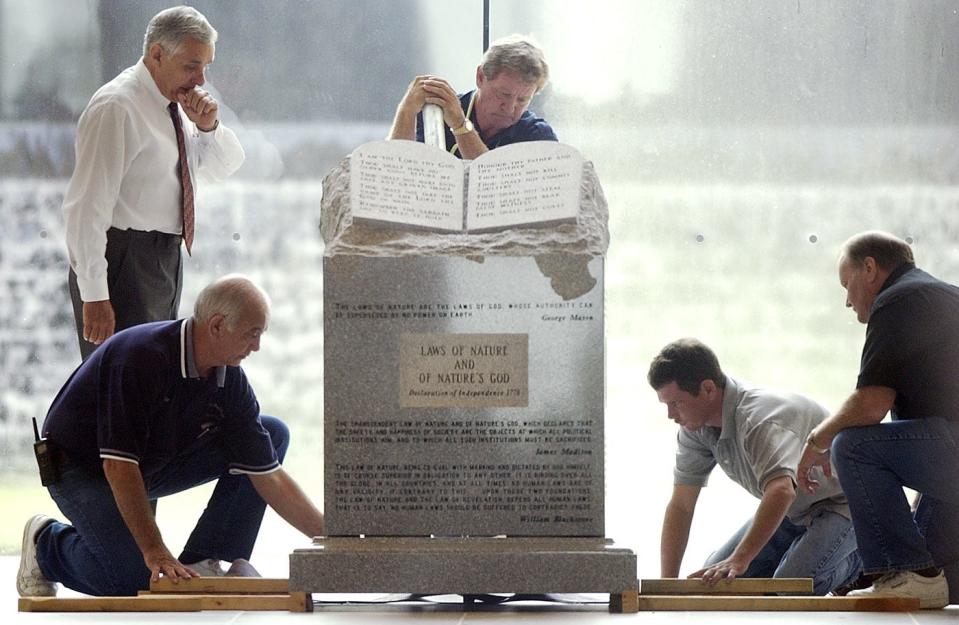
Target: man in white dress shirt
pixel 130 202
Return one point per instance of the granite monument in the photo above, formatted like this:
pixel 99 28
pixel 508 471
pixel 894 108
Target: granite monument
pixel 464 382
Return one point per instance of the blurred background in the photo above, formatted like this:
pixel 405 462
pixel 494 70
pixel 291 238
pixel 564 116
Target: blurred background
pixel 739 143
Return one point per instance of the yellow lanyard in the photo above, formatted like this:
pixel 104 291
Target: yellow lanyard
pixel 469 111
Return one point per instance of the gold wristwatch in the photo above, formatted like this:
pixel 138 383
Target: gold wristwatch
pixel 465 128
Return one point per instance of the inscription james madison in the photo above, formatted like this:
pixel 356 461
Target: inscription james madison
pixel 462 398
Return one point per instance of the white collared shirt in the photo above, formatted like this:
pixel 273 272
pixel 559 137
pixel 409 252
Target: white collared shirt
pixel 126 174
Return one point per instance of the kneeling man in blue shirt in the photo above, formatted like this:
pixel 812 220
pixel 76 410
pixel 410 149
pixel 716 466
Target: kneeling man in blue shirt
pixel 907 371
pixel 160 408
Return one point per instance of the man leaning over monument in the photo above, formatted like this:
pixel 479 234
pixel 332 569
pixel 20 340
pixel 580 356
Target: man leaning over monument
pixel 909 370
pixel 756 435
pixel 144 141
pixel 157 409
pixel 495 114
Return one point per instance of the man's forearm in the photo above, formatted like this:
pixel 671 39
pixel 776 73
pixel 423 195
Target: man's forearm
pixel 471 145
pixel 866 406
pixel 404 126
pixel 126 482
pixel 777 497
pixel 675 537
pixel 285 496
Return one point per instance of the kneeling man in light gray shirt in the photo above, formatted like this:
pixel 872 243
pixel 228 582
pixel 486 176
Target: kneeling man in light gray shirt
pixel 756 435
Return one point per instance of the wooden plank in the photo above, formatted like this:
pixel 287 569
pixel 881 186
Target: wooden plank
pixel 302 602
pixel 738 586
pixel 292 602
pixel 228 585
pixel 110 604
pixel 248 602
pixel 694 603
pixel 624 602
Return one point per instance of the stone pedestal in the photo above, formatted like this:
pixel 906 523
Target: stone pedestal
pixel 463 566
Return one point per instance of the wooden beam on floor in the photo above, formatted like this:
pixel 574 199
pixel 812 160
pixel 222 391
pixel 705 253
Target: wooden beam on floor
pixel 227 585
pixel 181 603
pixel 624 602
pixel 694 603
pixel 738 586
pixel 290 602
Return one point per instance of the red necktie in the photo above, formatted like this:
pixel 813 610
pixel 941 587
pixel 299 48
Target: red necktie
pixel 185 181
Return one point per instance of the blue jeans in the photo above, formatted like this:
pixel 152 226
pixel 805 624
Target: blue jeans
pixel 874 464
pixel 938 522
pixel 825 550
pixel 97 555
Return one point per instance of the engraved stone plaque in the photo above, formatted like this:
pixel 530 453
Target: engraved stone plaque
pixel 464 398
pixel 463 370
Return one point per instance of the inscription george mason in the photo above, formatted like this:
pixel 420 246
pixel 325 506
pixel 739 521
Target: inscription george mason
pixel 463 370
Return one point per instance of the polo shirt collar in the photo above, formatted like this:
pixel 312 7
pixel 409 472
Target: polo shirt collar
pixel 731 397
pixel 149 85
pixel 897 273
pixel 187 362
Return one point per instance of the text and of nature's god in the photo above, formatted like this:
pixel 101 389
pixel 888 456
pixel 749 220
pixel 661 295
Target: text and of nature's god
pixel 463 370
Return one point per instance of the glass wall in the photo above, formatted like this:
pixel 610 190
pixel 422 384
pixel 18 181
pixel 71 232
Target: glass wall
pixel 738 144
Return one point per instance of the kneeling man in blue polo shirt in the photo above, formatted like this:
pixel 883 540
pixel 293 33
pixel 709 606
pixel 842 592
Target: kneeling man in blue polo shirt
pixel 756 435
pixel 160 408
pixel 908 370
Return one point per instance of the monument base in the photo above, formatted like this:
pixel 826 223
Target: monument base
pixel 466 566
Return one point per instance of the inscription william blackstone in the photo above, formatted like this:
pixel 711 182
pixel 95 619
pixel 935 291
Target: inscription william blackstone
pixel 462 398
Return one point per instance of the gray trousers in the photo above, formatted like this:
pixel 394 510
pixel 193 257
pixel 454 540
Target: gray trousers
pixel 144 278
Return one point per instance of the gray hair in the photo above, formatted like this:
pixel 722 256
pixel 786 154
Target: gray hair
pixel 889 251
pixel 520 55
pixel 171 27
pixel 229 296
